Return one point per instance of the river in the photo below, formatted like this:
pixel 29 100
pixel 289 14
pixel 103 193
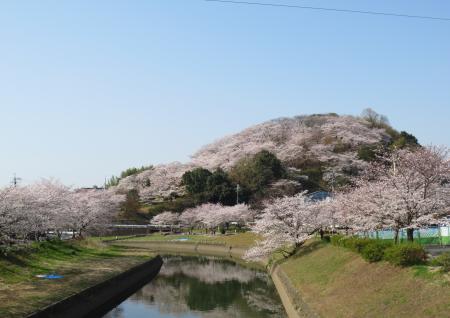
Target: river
pixel 206 287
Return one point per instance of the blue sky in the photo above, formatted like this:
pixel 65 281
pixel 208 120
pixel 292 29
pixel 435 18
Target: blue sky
pixel 89 88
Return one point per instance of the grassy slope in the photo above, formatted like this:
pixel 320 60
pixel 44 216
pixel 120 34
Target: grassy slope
pixel 82 264
pixel 338 283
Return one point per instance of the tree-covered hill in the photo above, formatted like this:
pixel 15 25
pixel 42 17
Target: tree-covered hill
pixel 316 152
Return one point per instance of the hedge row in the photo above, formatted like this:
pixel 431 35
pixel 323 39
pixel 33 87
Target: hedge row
pixel 443 261
pixel 405 254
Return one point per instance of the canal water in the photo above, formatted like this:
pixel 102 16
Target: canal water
pixel 207 287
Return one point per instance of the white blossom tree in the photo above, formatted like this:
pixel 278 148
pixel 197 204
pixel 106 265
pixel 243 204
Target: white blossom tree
pixel 210 216
pixel 406 189
pixel 11 215
pixel 189 219
pixel 32 211
pixel 92 210
pixel 166 219
pixel 285 224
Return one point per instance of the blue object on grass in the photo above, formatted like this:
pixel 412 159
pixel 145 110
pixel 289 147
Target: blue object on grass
pixel 53 276
pixel 50 276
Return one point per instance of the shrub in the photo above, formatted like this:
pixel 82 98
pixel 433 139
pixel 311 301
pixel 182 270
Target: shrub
pixel 354 243
pixel 374 250
pixel 336 239
pixel 326 238
pixel 442 260
pixel 255 173
pixel 367 152
pixel 341 147
pixel 405 254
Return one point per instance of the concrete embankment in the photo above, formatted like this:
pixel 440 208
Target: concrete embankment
pixel 184 247
pixel 97 300
pixel 291 298
pixel 292 302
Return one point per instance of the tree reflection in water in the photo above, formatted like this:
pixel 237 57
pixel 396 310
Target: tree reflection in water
pixel 203 287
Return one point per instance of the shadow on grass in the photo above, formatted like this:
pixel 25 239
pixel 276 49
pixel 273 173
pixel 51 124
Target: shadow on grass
pixel 308 248
pixel 301 251
pixel 15 260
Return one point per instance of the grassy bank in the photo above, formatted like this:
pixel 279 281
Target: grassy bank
pixel 241 240
pixel 336 282
pixel 82 263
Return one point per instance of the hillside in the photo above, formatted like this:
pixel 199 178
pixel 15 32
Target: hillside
pixel 327 144
pixel 335 282
pixel 327 138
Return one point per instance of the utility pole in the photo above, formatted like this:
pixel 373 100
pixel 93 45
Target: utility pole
pixel 395 162
pixel 237 193
pixel 15 181
pixel 333 181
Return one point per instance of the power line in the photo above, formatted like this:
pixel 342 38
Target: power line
pixel 401 15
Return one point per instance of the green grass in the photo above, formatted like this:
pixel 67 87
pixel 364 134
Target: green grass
pixel 82 263
pixel 336 282
pixel 242 240
pixel 41 258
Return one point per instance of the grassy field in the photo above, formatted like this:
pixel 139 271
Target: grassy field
pixel 336 282
pixel 242 240
pixel 82 263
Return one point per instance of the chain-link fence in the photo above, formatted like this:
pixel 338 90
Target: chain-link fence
pixel 426 236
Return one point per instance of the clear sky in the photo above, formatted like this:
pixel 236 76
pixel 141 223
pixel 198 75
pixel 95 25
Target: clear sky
pixel 89 88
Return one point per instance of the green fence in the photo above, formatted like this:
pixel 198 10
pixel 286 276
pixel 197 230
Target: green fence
pixel 426 236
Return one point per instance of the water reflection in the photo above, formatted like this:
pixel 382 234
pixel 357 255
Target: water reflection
pixel 206 287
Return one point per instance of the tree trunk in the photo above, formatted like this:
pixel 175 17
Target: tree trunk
pixel 396 236
pixel 410 234
pixel 321 234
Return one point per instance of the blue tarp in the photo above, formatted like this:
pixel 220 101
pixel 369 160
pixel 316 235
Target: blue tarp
pixel 182 239
pixel 50 276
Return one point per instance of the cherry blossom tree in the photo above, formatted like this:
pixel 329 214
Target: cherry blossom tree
pixel 211 216
pixel 10 215
pixel 190 219
pixel 166 219
pixel 158 181
pixel 404 189
pixel 285 224
pixel 92 209
pixel 31 211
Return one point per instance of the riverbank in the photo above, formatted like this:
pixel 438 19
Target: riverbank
pixel 80 263
pixel 336 282
pixel 99 299
pixel 324 280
